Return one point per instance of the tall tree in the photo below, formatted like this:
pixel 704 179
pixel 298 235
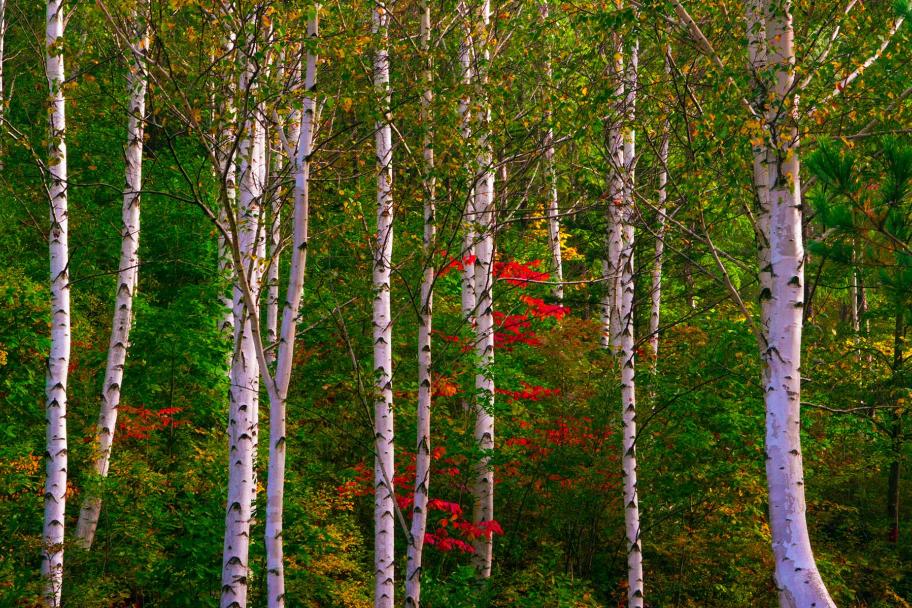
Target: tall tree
pixel 425 323
pixel 384 497
pixel 243 423
pixel 278 389
pixel 127 274
pixel 781 261
pixel 59 358
pixel 621 215
pixel 483 485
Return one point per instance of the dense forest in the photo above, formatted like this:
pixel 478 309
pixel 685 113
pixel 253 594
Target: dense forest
pixel 455 303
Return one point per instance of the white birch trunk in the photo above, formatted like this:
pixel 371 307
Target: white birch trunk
pixel 797 578
pixel 228 175
pixel 273 253
pixel 384 498
pixel 483 486
pixel 275 486
pixel 127 277
pixel 553 210
pixel 59 358
pixel 621 288
pixel 655 294
pixel 425 382
pixel 466 61
pixel 2 95
pixel 245 370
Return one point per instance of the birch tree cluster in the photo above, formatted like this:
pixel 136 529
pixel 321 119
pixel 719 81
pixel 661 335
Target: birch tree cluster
pixel 455 303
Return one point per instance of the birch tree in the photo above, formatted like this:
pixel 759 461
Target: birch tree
pixel 127 275
pixel 59 358
pixel 278 388
pixel 245 368
pixel 552 211
pixel 425 381
pixel 621 150
pixel 384 498
pixel 483 485
pixel 655 294
pixel 781 261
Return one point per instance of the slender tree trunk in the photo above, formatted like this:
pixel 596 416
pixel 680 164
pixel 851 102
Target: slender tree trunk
pixel 853 295
pixel 2 95
pixel 655 293
pixel 127 277
pixel 384 498
pixel 605 304
pixel 228 175
pixel 273 252
pixel 275 485
pixel 243 423
pixel 553 210
pixel 896 430
pixel 59 358
pixel 483 486
pixel 425 382
pixel 797 577
pixel 467 61
pixel 622 147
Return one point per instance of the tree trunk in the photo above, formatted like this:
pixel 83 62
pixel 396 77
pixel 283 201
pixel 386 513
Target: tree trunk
pixel 553 210
pixel 797 577
pixel 243 421
pixel 127 278
pixel 275 484
pixel 483 485
pixel 466 61
pixel 3 100
pixel 384 498
pixel 59 358
pixel 896 431
pixel 655 293
pixel 228 176
pixel 425 382
pixel 621 287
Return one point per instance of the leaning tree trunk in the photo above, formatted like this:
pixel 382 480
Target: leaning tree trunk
pixel 243 410
pixel 797 578
pixel 384 498
pixel 275 484
pixel 483 485
pixel 59 359
pixel 425 383
pixel 127 279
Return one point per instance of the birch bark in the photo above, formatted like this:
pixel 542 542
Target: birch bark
pixel 553 209
pixel 655 294
pixel 228 175
pixel 278 393
pixel 782 260
pixel 466 61
pixel 59 358
pixel 483 485
pixel 384 498
pixel 245 369
pixel 127 276
pixel 621 287
pixel 425 382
